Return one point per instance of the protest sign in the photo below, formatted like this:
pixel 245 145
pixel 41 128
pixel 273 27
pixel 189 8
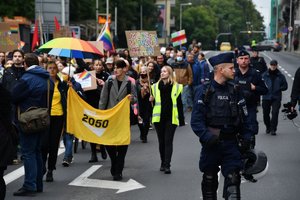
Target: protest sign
pixel 9 36
pixel 142 43
pixel 178 38
pixel 87 80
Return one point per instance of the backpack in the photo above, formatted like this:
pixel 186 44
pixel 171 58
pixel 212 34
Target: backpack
pixel 133 117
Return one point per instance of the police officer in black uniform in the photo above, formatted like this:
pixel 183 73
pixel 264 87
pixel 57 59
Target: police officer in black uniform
pixel 219 112
pixel 252 86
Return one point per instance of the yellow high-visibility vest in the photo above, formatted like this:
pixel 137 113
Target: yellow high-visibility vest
pixel 176 90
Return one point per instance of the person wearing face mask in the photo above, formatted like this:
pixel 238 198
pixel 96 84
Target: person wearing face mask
pixel 145 107
pixel 172 58
pixel 184 76
pixel 276 84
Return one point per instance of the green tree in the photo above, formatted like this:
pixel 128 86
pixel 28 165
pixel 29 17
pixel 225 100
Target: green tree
pixel 200 23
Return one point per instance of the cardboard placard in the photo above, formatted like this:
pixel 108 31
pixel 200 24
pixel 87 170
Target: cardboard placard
pixel 63 32
pixel 87 80
pixel 9 36
pixel 142 43
pixel 98 45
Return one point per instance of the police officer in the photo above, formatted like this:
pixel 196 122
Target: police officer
pixel 216 120
pixel 295 94
pixel 252 86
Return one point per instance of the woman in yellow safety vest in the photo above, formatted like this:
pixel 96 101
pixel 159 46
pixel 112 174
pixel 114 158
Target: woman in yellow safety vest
pixel 167 96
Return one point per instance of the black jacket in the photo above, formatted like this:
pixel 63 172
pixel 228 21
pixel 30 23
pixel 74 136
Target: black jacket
pixel 295 95
pixel 275 86
pixel 6 130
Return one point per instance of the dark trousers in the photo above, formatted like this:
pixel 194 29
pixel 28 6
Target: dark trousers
pixel 267 105
pixel 117 157
pixel 165 133
pixel 2 184
pixel 51 141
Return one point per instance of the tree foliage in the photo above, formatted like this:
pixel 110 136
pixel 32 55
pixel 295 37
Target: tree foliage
pixel 221 16
pixel 203 21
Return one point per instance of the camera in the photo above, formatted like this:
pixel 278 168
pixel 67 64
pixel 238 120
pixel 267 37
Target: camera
pixel 288 111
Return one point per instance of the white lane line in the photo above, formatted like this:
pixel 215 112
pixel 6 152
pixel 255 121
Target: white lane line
pixel 280 67
pixel 14 175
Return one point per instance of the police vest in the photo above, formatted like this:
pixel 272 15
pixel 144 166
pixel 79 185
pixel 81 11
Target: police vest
pixel 222 107
pixel 176 90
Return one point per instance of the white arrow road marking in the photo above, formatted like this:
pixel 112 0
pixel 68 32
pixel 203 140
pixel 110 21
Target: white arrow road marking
pixel 84 181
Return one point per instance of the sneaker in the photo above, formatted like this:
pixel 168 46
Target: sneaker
pixel 268 131
pixel 66 163
pixel 24 192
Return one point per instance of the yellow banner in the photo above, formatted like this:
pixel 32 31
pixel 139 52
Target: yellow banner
pixel 108 127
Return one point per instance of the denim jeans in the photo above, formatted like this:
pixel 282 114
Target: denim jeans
pixel 32 159
pixel 68 142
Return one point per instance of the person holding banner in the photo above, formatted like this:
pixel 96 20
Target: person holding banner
pixel 51 139
pixel 167 96
pixel 115 89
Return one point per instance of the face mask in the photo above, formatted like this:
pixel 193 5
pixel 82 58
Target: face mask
pixel 171 55
pixel 143 76
pixel 179 58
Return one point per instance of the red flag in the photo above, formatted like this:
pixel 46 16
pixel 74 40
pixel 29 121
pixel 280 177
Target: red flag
pixel 57 26
pixel 35 38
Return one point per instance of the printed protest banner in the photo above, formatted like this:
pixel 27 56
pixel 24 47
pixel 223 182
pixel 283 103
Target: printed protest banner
pixel 108 127
pixel 178 38
pixel 142 43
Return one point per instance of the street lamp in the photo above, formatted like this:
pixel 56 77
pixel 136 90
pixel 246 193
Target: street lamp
pixel 180 13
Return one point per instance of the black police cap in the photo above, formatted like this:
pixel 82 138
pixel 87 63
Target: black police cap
pixel 273 62
pixel 221 58
pixel 243 53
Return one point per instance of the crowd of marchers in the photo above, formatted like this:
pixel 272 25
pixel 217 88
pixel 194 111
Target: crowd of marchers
pixel 163 89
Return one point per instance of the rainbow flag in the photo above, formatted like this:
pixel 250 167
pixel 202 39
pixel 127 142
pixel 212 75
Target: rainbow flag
pixel 84 75
pixel 14 29
pixel 105 37
pixel 21 44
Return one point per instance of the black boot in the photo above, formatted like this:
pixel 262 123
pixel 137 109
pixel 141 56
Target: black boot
pixel 209 186
pixel 232 186
pixel 49 176
pixel 103 152
pixel 94 158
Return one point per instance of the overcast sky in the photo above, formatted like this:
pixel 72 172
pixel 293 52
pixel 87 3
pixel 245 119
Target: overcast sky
pixel 263 6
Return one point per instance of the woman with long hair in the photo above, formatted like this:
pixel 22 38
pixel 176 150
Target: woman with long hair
pixel 145 107
pixel 167 96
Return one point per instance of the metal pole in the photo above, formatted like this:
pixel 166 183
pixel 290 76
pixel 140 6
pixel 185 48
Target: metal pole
pixel 180 17
pixel 141 17
pixel 97 13
pixel 116 20
pixel 63 13
pixel 276 30
pixel 107 10
pixel 290 25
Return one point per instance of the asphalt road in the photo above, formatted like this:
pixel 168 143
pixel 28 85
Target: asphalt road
pixel 143 180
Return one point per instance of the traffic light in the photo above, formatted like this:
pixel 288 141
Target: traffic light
pixel 102 19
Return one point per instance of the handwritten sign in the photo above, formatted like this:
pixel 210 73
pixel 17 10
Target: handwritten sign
pixel 87 80
pixel 9 36
pixel 142 43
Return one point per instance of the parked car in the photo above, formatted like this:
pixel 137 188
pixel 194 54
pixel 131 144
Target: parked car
pixel 268 45
pixel 225 46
